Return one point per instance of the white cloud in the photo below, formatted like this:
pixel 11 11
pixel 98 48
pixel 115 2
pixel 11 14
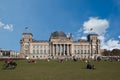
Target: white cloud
pixel 1 24
pixel 98 26
pixel 83 37
pixel 118 36
pixel 6 26
pixel 102 39
pixel 80 30
pixel 111 44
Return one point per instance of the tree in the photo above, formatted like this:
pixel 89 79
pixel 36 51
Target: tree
pixel 115 52
pixel 107 53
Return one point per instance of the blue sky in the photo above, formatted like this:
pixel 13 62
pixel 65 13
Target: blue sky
pixel 70 16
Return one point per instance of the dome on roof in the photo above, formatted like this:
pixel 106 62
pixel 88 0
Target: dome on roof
pixel 58 34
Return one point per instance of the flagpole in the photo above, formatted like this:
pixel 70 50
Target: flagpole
pixel 26 29
pixel 91 30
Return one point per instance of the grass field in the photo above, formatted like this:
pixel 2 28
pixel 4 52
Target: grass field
pixel 53 70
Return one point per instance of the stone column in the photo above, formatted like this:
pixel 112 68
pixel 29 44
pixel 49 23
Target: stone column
pixel 56 49
pixel 70 48
pixel 60 49
pixel 63 49
pixel 53 50
pixel 91 50
pixel 67 49
pixel 50 49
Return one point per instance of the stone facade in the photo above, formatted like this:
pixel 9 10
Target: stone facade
pixel 59 45
pixel 8 54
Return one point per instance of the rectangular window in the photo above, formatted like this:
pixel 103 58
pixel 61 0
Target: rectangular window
pixel 84 51
pixel 33 51
pixel 33 46
pixel 44 47
pixel 48 51
pixel 82 47
pixel 37 51
pixel 75 47
pixel 41 52
pixel 44 51
pixel 88 51
pixel 37 46
pixel 78 51
pixel 78 47
pixel 75 51
pixel 48 47
pixel 81 51
pixel 94 52
pixel 41 46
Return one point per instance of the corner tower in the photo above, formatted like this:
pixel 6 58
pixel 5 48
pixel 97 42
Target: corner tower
pixel 25 43
pixel 95 44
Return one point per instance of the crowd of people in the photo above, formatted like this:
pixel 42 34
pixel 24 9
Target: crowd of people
pixel 10 64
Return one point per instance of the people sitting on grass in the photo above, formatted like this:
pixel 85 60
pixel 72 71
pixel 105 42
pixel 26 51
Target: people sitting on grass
pixel 48 59
pixel 90 66
pixel 75 59
pixel 61 60
pixel 31 61
pixel 9 64
pixel 9 61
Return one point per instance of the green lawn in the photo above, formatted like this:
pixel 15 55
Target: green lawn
pixel 53 70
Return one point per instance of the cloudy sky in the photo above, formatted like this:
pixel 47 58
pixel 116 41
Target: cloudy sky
pixel 70 16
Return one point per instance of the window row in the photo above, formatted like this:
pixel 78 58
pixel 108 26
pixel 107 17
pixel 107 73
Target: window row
pixel 41 52
pixel 81 51
pixel 40 46
pixel 82 46
pixel 84 52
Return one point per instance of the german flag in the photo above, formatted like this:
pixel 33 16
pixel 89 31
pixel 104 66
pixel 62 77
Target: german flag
pixel 91 29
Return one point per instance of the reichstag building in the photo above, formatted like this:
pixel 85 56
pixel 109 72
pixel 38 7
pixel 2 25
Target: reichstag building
pixel 59 45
